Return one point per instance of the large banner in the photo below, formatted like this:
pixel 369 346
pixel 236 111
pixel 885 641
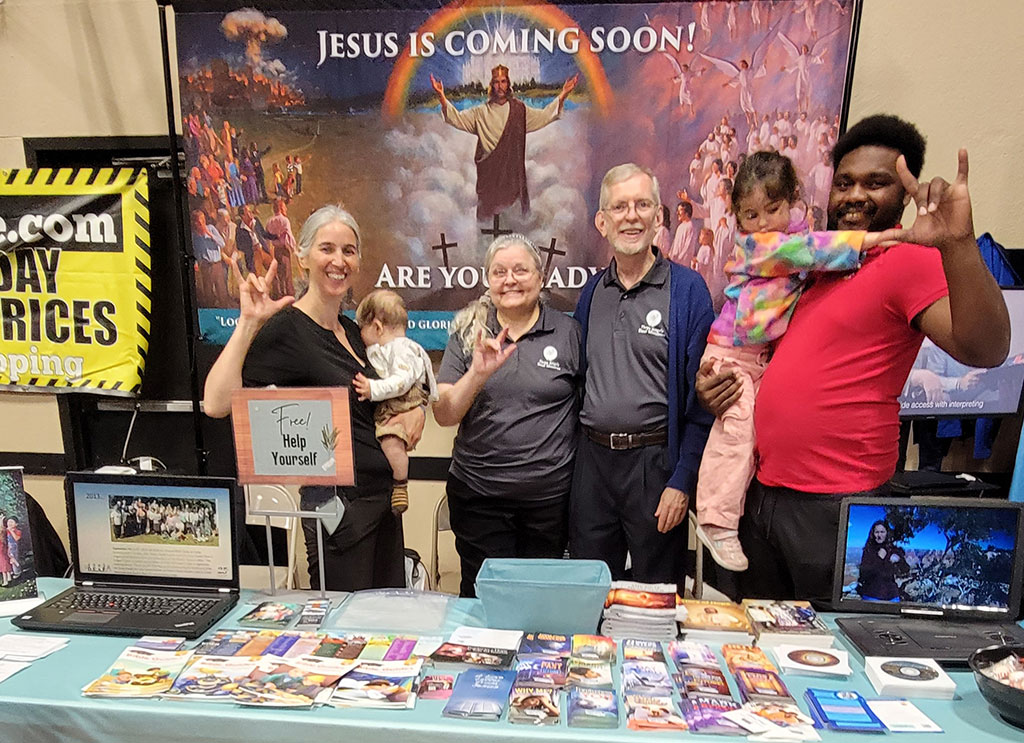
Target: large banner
pixel 74 279
pixel 439 130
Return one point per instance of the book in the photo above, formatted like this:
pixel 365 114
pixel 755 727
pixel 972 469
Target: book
pixel 290 682
pixel 703 681
pixel 534 705
pixel 382 684
pixel 812 661
pixel 644 712
pixel 480 694
pixel 686 653
pixel 646 677
pixel 592 674
pixel 210 678
pixel 453 654
pixel 593 647
pixel 14 530
pixel 746 656
pixel 545 643
pixel 706 715
pixel 270 614
pixel 592 708
pixel 436 687
pixel 756 685
pixel 138 673
pixel 713 621
pixel 541 671
pixel 633 649
pixel 920 678
pixel 786 622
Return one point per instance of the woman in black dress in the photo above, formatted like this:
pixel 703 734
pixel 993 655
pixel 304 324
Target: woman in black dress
pixel 308 342
pixel 880 563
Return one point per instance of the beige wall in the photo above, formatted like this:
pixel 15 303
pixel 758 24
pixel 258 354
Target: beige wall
pixel 93 68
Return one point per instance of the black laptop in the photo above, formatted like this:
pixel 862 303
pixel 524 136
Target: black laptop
pixel 152 555
pixel 937 577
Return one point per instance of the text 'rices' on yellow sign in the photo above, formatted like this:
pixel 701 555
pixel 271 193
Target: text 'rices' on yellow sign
pixel 75 279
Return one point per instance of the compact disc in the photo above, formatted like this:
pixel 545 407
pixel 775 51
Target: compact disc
pixel 820 658
pixel 909 671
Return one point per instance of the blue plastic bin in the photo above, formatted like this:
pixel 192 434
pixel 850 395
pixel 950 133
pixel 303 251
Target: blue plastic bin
pixel 533 595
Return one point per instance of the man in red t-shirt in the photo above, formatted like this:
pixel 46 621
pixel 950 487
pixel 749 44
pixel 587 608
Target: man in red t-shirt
pixel 827 416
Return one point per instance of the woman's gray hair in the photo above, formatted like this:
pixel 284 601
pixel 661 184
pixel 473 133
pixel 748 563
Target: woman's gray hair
pixel 322 217
pixel 471 320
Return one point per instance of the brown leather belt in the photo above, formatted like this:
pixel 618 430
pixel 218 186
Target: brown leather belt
pixel 621 441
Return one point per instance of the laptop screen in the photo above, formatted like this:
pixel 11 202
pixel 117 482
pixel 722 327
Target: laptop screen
pixel 956 556
pixel 153 529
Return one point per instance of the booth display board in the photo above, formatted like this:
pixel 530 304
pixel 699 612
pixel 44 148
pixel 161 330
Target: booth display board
pixel 75 281
pixel 293 436
pixel 283 111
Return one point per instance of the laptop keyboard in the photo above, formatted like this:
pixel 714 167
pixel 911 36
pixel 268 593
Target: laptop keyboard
pixel 137 603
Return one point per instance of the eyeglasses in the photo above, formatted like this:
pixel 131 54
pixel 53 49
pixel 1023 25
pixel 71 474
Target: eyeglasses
pixel 518 273
pixel 621 208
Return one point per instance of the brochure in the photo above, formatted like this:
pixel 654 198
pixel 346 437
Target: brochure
pixel 139 672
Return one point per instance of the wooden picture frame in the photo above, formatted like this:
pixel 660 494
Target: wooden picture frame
pixel 282 436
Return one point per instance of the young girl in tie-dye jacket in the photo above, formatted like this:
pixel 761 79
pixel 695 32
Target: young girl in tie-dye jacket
pixel 767 273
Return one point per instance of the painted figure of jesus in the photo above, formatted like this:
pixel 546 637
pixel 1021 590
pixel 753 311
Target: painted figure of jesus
pixel 501 125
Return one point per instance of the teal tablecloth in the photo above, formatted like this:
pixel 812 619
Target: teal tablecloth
pixel 43 703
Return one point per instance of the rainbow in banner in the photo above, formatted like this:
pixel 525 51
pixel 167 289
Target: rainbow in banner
pixel 541 13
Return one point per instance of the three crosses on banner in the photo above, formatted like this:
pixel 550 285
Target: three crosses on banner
pixel 496 229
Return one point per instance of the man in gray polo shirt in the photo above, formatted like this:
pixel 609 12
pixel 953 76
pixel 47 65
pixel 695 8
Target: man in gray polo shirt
pixel 645 322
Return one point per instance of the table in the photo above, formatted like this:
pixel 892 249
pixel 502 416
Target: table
pixel 42 704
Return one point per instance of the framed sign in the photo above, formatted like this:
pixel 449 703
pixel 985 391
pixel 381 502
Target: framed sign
pixel 293 436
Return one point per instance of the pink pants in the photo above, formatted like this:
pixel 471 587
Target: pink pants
pixel 727 466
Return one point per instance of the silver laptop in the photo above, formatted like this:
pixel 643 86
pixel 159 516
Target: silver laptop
pixel 152 554
pixel 938 577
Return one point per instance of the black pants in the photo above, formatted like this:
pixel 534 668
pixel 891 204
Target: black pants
pixel 790 540
pixel 614 497
pixel 491 526
pixel 367 549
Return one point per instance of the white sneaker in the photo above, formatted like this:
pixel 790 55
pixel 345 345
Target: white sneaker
pixel 724 546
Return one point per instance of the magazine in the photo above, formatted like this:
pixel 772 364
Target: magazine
pixel 139 672
pixel 645 712
pixel 642 650
pixel 480 694
pixel 786 622
pixel 291 682
pixel 270 614
pixel 383 684
pixel 436 687
pixel 534 705
pixel 592 674
pixel 540 671
pixel 593 708
pixel 211 678
pixel 544 643
pixel 593 647
pixel 646 677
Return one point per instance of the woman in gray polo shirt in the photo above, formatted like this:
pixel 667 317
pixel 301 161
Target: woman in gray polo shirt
pixel 509 379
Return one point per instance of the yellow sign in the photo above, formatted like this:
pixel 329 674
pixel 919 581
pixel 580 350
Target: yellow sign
pixel 75 281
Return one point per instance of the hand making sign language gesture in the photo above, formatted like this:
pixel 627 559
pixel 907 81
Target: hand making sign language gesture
pixel 944 215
